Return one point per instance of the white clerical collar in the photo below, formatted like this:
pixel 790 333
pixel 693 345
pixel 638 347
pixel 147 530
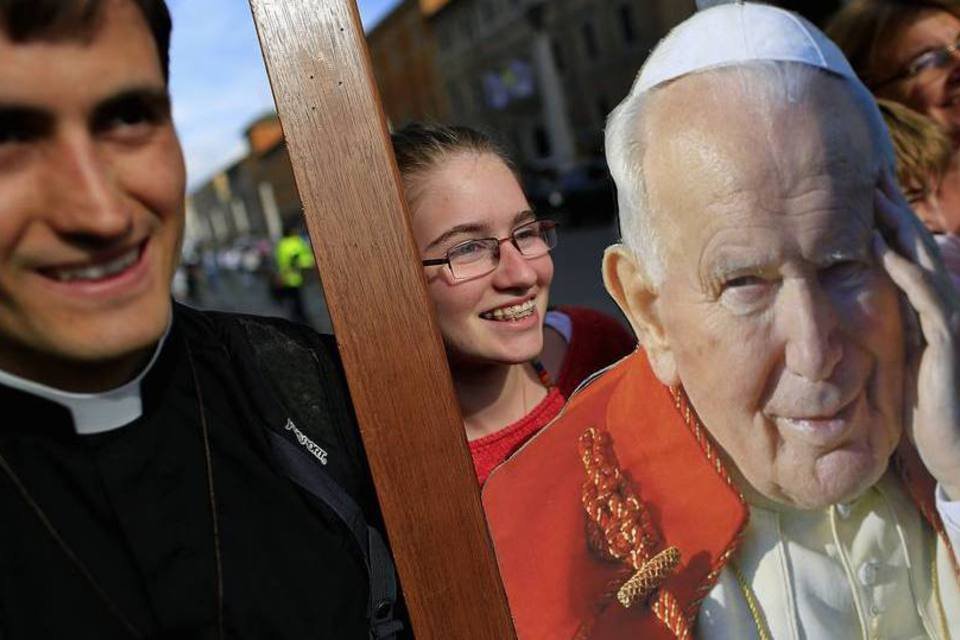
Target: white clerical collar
pixel 94 412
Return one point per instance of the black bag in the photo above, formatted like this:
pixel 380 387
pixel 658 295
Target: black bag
pixel 308 415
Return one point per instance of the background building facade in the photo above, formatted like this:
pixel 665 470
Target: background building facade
pixel 403 50
pixel 540 76
pixel 255 197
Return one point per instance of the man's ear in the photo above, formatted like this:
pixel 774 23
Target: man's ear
pixel 627 282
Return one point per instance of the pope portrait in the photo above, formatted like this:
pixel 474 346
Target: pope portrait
pixel 781 456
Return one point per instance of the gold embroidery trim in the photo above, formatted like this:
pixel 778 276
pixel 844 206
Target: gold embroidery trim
pixel 699 432
pixel 650 576
pixel 759 621
pixel 619 529
pixel 935 575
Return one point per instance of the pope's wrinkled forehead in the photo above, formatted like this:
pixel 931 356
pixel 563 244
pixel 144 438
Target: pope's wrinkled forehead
pixel 783 123
pixel 738 76
pixel 733 151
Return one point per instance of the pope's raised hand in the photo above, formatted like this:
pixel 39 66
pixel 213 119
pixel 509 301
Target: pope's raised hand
pixel 932 376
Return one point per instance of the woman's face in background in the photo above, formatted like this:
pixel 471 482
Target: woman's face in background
pixel 496 317
pixel 934 92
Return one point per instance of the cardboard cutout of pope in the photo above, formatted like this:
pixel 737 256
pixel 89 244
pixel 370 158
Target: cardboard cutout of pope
pixel 781 458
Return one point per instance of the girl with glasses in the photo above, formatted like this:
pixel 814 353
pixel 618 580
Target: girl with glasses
pixel 488 270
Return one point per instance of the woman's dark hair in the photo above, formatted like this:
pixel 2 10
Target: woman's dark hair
pixel 863 28
pixel 419 147
pixel 26 20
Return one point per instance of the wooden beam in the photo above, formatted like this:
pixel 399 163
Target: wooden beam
pixel 394 359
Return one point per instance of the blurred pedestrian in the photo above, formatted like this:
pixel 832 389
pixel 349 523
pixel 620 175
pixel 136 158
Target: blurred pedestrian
pixel 294 257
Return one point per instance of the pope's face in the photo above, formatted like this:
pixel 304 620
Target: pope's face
pixel 91 189
pixel 783 329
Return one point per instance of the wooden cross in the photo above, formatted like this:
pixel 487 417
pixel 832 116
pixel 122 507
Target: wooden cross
pixel 396 367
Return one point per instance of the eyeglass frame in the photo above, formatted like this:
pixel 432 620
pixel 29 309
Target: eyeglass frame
pixel 432 262
pixel 943 55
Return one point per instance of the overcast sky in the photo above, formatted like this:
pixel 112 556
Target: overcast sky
pixel 217 78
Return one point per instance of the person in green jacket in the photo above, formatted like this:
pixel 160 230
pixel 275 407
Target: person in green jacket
pixel 293 256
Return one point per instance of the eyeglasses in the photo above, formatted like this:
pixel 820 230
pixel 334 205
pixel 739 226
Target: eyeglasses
pixel 478 257
pixel 922 67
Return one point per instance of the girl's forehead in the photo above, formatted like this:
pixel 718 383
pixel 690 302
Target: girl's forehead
pixel 474 192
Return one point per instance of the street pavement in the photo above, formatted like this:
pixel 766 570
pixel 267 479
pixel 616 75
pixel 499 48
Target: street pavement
pixel 576 281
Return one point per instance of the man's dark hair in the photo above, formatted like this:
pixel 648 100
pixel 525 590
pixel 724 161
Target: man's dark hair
pixel 26 20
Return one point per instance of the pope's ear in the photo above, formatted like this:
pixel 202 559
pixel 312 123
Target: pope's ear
pixel 627 282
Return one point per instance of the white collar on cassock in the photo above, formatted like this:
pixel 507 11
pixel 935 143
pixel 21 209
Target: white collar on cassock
pixel 94 412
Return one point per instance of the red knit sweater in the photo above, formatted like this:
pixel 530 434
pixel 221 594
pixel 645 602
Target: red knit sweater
pixel 597 340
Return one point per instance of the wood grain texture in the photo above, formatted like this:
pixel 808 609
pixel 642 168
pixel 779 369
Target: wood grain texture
pixel 396 367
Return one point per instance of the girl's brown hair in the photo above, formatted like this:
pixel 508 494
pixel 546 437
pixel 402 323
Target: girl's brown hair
pixel 420 147
pixel 922 148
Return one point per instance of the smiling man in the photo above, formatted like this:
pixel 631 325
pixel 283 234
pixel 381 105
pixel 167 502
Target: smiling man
pixel 154 479
pixel 783 460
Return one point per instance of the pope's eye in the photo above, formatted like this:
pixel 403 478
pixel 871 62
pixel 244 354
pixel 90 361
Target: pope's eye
pixel 844 273
pixel 745 294
pixel 742 281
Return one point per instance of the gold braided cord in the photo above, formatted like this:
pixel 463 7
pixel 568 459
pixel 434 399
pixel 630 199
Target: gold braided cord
pixel 763 633
pixel 619 529
pixel 682 405
pixel 648 577
pixel 936 595
pixel 618 525
pixel 668 610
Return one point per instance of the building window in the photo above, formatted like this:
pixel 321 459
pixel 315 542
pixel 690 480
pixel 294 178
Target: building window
pixel 589 40
pixel 557 55
pixel 626 24
pixel 455 100
pixel 466 27
pixel 443 39
pixel 466 91
pixel 487 10
pixel 541 142
pixel 603 108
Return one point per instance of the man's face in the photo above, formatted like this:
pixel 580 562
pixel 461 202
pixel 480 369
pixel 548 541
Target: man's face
pixel 92 195
pixel 784 331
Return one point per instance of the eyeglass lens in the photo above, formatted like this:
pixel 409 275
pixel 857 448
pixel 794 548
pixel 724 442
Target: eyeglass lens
pixel 932 60
pixel 475 258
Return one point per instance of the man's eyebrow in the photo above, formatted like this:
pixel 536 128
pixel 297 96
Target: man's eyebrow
pixel 20 117
pixel 460 229
pixel 156 99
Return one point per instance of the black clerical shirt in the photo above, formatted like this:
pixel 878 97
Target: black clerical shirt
pixel 133 505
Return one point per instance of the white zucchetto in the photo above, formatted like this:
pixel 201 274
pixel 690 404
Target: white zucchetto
pixel 731 34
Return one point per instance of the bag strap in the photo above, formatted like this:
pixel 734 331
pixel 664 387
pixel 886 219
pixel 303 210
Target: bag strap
pixel 299 461
pixel 301 467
